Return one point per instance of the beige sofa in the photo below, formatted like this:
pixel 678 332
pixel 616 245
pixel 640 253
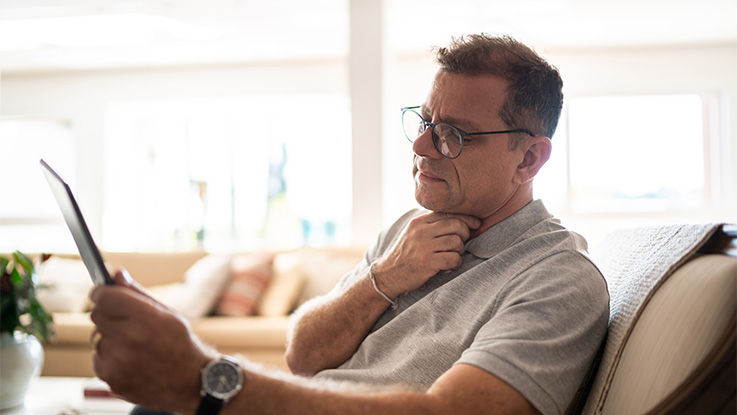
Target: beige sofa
pixel 260 338
pixel 676 356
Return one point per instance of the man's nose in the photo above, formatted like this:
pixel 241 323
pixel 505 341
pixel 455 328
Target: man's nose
pixel 423 146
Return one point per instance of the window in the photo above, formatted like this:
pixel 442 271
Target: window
pixel 227 173
pixel 637 153
pixel 29 217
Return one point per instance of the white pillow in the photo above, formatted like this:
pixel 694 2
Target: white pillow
pixel 200 289
pixel 64 285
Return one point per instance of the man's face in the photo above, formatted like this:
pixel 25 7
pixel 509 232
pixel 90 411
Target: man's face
pixel 480 180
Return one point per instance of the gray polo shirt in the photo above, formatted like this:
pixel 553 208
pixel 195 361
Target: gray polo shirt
pixel 527 305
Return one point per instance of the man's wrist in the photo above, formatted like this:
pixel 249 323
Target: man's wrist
pixel 194 389
pixel 222 379
pixel 381 288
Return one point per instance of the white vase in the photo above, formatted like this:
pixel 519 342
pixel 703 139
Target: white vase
pixel 21 359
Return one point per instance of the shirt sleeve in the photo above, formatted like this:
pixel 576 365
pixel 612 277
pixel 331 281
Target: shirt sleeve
pixel 545 329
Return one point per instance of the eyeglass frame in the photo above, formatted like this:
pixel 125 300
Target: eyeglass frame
pixel 462 133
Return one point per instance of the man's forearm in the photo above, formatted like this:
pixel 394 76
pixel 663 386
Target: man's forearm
pixel 279 394
pixel 462 390
pixel 328 332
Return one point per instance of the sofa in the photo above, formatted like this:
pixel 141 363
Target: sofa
pixel 670 348
pixel 297 276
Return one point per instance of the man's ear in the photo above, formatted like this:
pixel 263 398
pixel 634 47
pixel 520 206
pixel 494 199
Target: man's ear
pixel 536 153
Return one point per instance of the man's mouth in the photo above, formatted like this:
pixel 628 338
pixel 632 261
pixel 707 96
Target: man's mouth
pixel 427 176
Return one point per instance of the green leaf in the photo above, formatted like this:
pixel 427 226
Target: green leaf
pixel 19 307
pixel 40 321
pixel 3 265
pixel 16 278
pixel 24 262
pixel 8 311
pixel 8 323
pixel 38 313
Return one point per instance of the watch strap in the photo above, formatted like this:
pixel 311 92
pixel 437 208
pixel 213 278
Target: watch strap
pixel 210 405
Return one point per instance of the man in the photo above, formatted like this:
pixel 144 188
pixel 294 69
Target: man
pixel 482 304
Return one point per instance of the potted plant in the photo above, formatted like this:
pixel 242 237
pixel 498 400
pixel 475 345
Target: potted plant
pixel 23 322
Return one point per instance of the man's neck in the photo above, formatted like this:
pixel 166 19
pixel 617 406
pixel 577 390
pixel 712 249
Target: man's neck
pixel 519 199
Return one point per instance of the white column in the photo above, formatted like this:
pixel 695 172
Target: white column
pixel 366 67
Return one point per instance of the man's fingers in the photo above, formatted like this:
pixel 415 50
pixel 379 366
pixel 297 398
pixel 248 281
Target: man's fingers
pixel 108 327
pixel 449 243
pixel 451 226
pixel 470 221
pixel 119 302
pixel 106 360
pixel 123 278
pixel 447 260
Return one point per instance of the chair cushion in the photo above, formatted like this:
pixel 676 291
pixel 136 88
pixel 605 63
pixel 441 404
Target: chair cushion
pixel 636 263
pixel 689 317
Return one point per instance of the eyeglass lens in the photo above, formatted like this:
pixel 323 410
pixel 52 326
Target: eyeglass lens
pixel 446 138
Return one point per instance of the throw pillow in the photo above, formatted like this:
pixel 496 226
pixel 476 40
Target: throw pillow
pixel 286 283
pixel 202 285
pixel 323 268
pixel 64 285
pixel 249 275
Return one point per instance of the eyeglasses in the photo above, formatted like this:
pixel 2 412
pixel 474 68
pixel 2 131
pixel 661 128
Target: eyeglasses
pixel 447 139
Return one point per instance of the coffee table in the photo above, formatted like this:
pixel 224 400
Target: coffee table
pixel 48 395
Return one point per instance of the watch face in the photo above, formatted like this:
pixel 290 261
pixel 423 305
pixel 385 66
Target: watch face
pixel 222 380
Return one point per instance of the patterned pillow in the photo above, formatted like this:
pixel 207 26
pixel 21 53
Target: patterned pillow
pixel 249 275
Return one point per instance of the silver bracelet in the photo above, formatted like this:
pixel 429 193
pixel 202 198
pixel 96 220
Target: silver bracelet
pixel 372 277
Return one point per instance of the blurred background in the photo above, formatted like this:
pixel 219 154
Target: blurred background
pixel 231 125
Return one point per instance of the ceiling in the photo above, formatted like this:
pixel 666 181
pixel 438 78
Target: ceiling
pixel 44 35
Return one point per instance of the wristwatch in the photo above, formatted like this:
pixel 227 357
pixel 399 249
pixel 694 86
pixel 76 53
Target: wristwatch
pixel 222 379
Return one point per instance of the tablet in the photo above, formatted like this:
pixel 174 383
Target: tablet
pixel 73 216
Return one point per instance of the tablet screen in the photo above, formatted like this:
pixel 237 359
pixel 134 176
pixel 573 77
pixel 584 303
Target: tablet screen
pixel 73 217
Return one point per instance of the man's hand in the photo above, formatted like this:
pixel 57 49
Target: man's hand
pixel 146 353
pixel 431 243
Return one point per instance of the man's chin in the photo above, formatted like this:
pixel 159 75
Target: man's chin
pixel 439 205
pixel 430 203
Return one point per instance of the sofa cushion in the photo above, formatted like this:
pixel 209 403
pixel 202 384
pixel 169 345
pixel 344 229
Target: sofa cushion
pixel 227 332
pixel 675 336
pixel 240 332
pixel 154 268
pixel 249 275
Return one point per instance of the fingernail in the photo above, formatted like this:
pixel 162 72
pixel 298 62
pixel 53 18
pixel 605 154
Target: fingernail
pixel 93 295
pixel 126 276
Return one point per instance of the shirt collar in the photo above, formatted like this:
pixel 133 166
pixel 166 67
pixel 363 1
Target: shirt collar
pixel 506 232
